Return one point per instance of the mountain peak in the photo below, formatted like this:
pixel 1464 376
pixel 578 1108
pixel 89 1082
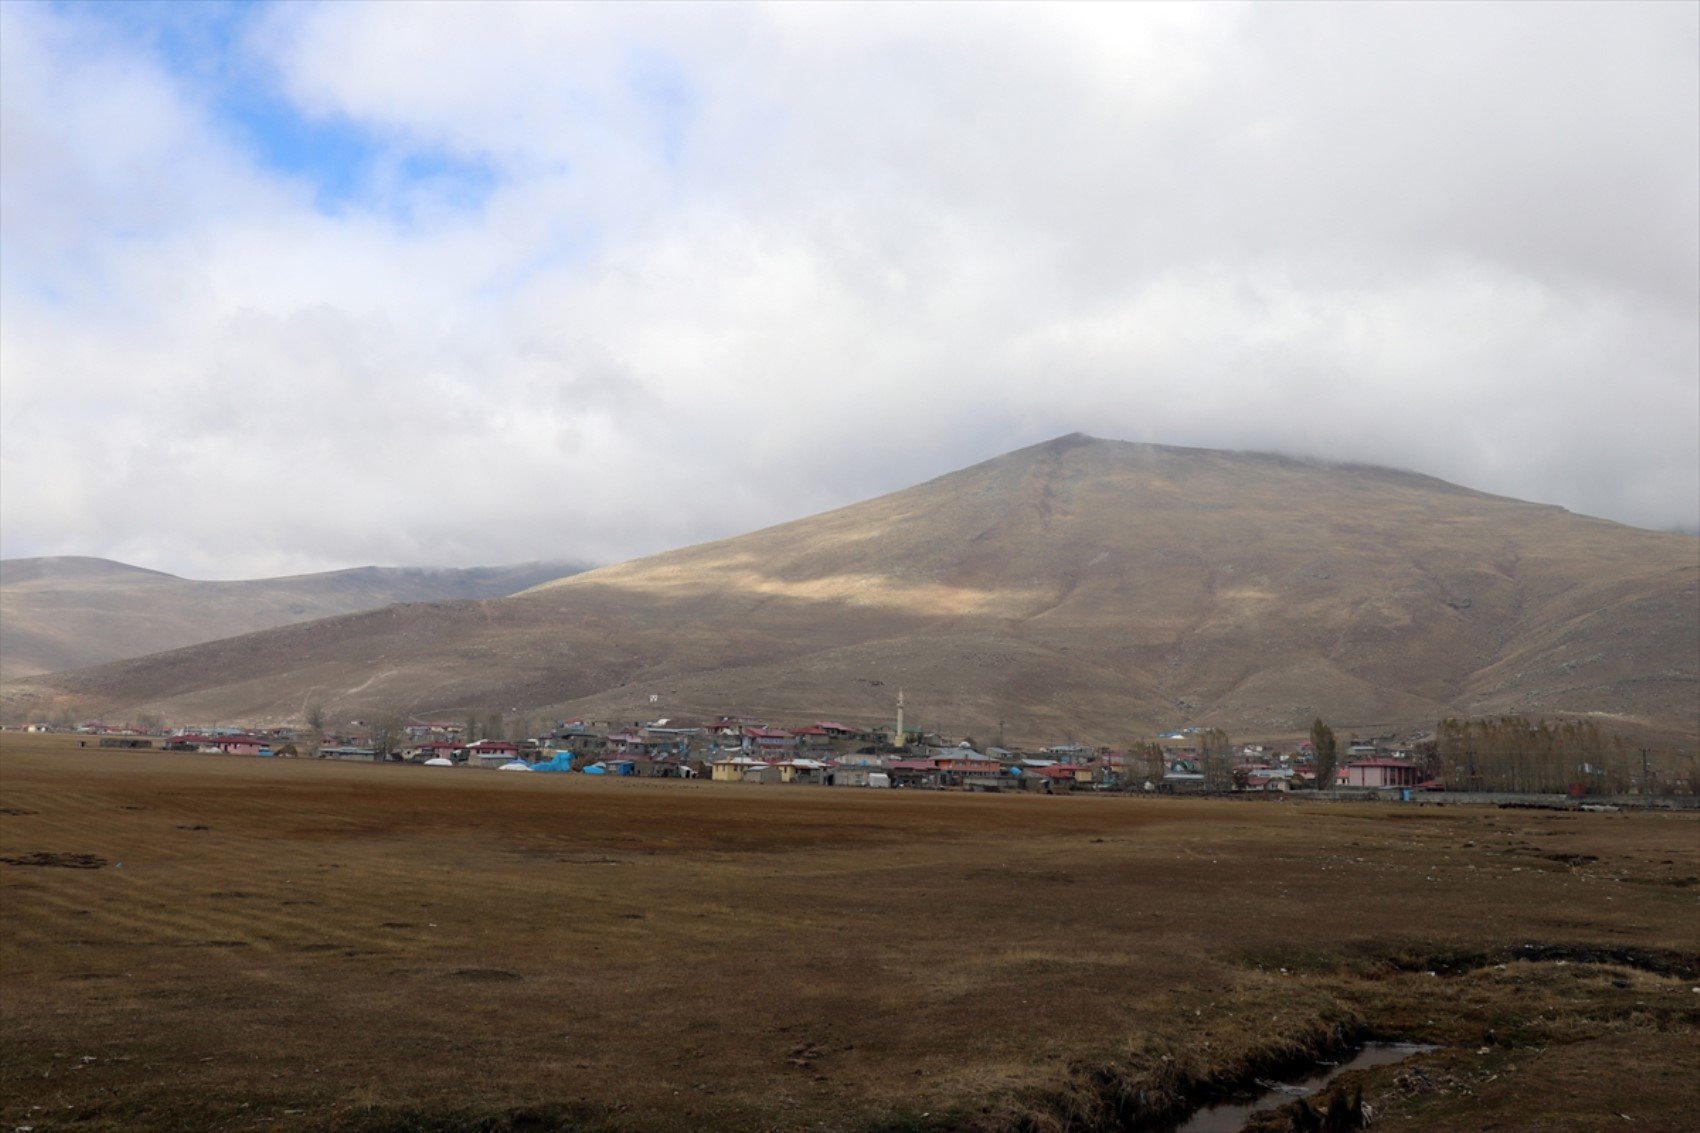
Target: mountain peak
pixel 1071 440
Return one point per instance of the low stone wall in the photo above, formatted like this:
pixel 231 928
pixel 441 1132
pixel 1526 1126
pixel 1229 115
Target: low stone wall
pixel 1501 798
pixel 1504 798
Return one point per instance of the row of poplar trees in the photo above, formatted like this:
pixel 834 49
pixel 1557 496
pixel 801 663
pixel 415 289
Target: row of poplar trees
pixel 1505 753
pixel 1508 753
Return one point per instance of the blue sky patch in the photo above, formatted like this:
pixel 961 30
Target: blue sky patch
pixel 346 164
pixel 662 86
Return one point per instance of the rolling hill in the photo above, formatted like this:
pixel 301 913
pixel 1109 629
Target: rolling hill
pixel 70 612
pixel 1083 587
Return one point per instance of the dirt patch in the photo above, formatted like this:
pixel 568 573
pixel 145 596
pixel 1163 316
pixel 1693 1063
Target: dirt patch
pixel 1661 962
pixel 56 860
pixel 552 1117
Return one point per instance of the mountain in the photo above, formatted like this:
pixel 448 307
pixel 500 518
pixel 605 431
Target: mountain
pixel 1082 587
pixel 70 612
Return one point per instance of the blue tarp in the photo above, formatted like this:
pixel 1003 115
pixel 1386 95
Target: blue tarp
pixel 561 761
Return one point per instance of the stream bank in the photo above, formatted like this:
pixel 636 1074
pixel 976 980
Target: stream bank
pixel 1232 1116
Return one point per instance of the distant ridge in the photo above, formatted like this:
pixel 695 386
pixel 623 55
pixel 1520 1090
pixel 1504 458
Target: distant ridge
pixel 15 572
pixel 71 611
pixel 1080 587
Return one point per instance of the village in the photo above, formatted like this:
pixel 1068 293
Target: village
pixel 820 753
pixel 1477 759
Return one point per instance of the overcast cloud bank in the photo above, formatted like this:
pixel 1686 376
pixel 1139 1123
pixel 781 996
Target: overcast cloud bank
pixel 307 286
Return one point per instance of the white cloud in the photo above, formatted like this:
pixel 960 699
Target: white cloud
pixel 735 264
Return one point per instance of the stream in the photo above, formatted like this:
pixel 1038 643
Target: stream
pixel 1231 1116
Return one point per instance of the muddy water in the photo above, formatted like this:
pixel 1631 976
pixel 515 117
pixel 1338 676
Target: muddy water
pixel 1230 1117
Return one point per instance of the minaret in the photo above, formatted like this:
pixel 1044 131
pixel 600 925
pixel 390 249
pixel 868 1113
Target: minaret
pixel 898 739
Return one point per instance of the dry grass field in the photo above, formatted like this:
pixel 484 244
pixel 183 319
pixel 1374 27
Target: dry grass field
pixel 221 943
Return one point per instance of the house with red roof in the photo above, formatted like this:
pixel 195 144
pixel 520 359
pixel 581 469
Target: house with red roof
pixel 964 767
pixel 769 741
pixel 434 749
pixel 492 749
pixel 1060 776
pixel 914 772
pixel 1380 773
pixel 813 737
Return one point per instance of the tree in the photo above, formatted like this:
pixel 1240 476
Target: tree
pixel 1509 753
pixel 389 728
pixel 1216 753
pixel 1426 755
pixel 1322 744
pixel 316 724
pixel 1151 756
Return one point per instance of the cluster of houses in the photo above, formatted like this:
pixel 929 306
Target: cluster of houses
pixel 826 753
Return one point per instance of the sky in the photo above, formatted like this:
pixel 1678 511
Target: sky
pixel 293 287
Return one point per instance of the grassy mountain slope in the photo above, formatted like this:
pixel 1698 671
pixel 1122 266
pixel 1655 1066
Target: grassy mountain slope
pixel 70 612
pixel 1096 587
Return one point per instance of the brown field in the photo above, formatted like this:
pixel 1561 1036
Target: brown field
pixel 309 945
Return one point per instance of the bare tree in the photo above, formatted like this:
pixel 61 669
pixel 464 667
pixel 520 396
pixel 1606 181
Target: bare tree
pixel 389 728
pixel 1508 753
pixel 315 716
pixel 1149 755
pixel 1216 751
